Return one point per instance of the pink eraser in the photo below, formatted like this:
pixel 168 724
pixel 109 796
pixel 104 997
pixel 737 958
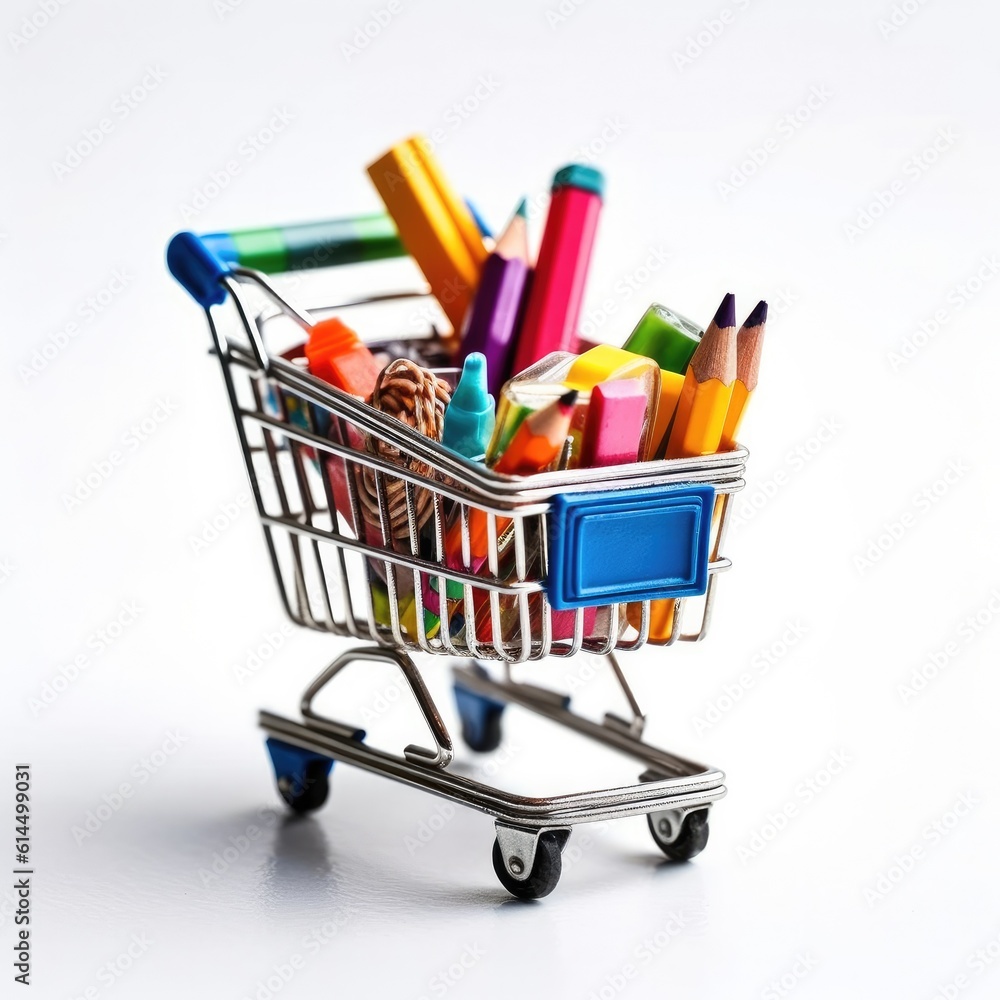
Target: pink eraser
pixel 614 423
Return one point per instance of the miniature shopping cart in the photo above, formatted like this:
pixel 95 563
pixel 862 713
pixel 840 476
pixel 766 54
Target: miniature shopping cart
pixel 575 558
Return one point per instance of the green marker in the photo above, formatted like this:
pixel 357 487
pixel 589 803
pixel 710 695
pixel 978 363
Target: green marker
pixel 666 337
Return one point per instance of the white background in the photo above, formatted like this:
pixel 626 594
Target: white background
pixel 843 444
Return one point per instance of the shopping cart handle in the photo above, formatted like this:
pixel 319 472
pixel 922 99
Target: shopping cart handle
pixel 198 269
pixel 200 262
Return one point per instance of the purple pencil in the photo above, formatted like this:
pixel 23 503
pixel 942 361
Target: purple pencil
pixel 495 315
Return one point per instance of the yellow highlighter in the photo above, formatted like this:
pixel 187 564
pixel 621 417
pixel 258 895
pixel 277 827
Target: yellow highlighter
pixel 435 226
pixel 546 381
pixel 605 363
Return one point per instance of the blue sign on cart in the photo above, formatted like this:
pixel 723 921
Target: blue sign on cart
pixel 629 545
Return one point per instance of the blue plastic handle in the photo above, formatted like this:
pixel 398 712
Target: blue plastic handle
pixel 198 269
pixel 629 545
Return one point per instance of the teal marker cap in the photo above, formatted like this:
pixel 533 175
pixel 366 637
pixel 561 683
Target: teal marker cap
pixel 469 417
pixel 579 175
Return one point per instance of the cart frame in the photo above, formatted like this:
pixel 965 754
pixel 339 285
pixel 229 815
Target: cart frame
pixel 284 419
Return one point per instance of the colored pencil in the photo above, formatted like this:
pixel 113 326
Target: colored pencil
pixel 749 345
pixel 708 388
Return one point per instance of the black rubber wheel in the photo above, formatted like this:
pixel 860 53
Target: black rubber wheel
pixel 690 841
pixel 313 795
pixel 545 872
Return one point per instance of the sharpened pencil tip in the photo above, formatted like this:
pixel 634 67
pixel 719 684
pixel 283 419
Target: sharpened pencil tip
pixel 725 315
pixel 522 208
pixel 568 399
pixel 759 315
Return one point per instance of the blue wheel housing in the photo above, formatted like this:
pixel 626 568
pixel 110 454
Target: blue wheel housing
pixel 303 777
pixel 480 717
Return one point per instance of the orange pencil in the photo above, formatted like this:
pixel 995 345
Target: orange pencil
pixel 749 344
pixel 536 445
pixel 708 388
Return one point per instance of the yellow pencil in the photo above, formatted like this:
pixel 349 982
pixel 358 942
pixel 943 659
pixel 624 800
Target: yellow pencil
pixel 749 344
pixel 708 388
pixel 697 426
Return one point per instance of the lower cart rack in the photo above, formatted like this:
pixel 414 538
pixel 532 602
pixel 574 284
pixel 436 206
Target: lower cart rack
pixel 531 832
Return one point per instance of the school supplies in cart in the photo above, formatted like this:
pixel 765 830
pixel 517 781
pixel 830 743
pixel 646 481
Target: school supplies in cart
pixel 539 555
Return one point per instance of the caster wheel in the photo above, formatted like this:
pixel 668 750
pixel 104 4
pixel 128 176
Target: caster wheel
pixel 691 839
pixel 303 777
pixel 481 729
pixel 544 874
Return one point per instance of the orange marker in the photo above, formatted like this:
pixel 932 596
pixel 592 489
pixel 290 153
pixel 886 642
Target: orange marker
pixel 336 355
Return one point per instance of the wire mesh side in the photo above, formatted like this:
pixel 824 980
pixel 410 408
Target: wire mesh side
pixel 362 547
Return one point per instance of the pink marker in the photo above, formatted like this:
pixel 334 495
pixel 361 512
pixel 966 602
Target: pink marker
pixel 556 296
